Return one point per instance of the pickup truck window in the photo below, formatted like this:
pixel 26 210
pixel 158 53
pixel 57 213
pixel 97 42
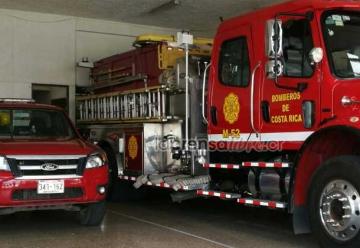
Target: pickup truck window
pixel 342 37
pixel 234 64
pixel 297 44
pixel 34 124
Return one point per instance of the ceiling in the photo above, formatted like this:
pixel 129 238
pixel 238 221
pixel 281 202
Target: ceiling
pixel 195 15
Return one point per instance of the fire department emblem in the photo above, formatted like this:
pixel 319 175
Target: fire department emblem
pixel 231 108
pixel 133 147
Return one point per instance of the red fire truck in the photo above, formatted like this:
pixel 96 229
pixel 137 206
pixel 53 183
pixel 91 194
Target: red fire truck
pixel 271 120
pixel 45 164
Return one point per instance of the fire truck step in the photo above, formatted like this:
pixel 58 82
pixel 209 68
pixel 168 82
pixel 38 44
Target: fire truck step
pixel 266 164
pixel 248 164
pixel 160 185
pixel 223 166
pixel 128 178
pixel 187 187
pixel 262 203
pixel 222 195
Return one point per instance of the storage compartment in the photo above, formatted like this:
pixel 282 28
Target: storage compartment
pixel 148 149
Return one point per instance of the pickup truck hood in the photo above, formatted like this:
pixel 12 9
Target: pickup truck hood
pixel 45 147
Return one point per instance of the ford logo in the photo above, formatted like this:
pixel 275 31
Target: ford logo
pixel 49 167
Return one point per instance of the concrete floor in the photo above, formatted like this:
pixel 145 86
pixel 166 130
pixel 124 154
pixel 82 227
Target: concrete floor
pixel 155 223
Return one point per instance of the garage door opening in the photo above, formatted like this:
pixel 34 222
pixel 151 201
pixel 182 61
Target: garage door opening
pixel 51 94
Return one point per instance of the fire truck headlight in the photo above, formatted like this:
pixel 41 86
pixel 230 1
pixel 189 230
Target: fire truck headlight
pixel 4 165
pixel 96 160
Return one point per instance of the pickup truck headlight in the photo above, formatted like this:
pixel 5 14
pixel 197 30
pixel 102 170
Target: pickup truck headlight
pixel 4 165
pixel 96 160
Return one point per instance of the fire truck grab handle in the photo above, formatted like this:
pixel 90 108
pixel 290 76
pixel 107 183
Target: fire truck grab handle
pixel 203 93
pixel 252 97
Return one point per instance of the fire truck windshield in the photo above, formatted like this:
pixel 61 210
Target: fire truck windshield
pixel 342 37
pixel 34 124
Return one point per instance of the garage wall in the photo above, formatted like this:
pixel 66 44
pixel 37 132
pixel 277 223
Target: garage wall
pixel 30 53
pixel 44 49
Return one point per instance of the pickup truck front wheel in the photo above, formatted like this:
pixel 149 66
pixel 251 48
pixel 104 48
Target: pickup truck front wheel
pixel 93 214
pixel 334 203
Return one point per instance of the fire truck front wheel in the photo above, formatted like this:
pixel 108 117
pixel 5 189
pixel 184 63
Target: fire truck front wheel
pixel 334 203
pixel 93 214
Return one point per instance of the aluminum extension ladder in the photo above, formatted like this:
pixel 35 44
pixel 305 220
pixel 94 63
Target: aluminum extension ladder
pixel 147 104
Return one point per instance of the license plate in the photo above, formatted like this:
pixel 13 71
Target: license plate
pixel 51 187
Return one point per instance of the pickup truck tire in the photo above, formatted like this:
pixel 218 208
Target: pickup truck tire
pixel 93 214
pixel 334 203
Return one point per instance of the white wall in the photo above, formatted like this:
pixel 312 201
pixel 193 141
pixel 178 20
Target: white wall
pixel 44 49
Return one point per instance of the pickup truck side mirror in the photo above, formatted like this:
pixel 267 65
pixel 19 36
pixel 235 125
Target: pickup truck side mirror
pixel 274 48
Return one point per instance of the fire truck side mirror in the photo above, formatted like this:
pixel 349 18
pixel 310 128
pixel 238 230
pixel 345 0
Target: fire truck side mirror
pixel 274 70
pixel 274 48
pixel 274 38
pixel 316 55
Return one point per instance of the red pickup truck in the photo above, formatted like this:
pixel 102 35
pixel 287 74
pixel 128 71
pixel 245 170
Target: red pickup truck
pixel 45 164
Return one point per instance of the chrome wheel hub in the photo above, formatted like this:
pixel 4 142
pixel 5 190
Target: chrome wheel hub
pixel 340 210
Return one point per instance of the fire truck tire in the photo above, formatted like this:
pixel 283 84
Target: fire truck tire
pixel 125 191
pixel 119 190
pixel 334 203
pixel 93 214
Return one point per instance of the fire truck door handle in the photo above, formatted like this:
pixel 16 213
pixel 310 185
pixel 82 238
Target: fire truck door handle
pixel 252 97
pixel 213 113
pixel 265 109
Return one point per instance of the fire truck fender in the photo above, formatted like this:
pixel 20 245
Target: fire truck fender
pixel 327 143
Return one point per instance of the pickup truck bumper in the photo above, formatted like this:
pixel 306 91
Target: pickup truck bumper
pixel 20 193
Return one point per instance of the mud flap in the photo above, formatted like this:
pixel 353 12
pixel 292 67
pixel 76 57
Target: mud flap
pixel 301 222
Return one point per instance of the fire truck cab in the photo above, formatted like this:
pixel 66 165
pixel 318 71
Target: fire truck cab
pixel 272 120
pixel 284 87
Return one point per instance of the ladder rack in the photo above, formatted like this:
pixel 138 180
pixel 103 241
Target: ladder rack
pixel 147 104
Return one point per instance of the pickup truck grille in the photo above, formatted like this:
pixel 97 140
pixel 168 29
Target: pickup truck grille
pixel 42 166
pixel 31 194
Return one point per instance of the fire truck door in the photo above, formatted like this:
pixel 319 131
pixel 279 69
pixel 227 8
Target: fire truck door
pixel 229 95
pixel 290 106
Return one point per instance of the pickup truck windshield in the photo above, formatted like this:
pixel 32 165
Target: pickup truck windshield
pixel 34 124
pixel 342 37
